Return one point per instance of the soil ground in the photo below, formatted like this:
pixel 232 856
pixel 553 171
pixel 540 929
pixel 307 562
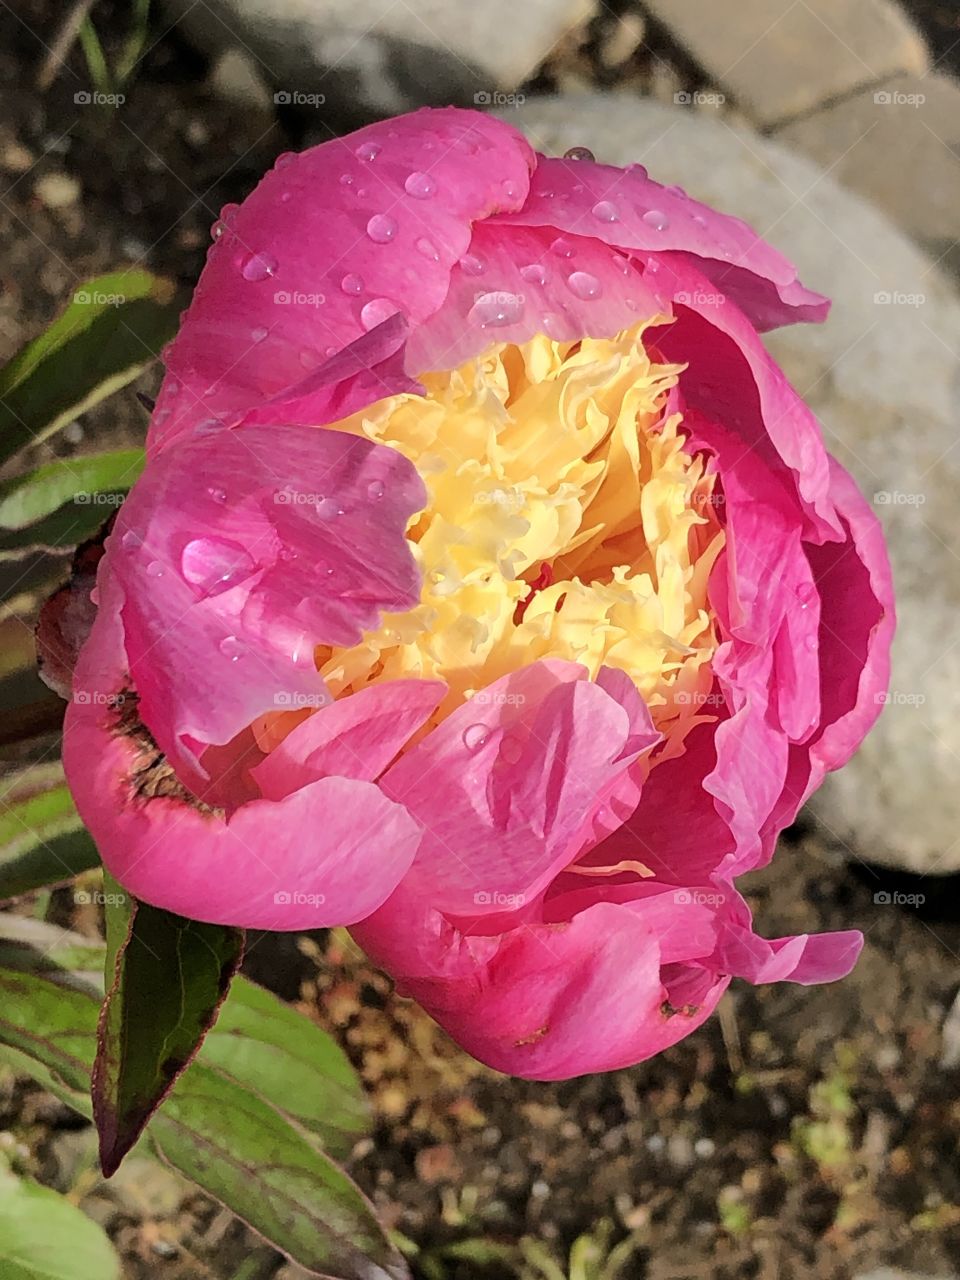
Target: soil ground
pixel 801 1133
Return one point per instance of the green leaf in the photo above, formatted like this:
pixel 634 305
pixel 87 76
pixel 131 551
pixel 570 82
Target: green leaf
pixel 113 328
pixel 42 840
pixel 269 1047
pixel 45 1237
pixel 65 502
pixel 230 1141
pixel 169 978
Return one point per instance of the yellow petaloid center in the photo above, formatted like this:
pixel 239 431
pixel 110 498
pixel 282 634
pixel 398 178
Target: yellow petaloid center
pixel 565 519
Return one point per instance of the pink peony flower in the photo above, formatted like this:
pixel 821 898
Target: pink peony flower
pixel 488 588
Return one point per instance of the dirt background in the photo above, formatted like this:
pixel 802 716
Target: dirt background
pixel 802 1132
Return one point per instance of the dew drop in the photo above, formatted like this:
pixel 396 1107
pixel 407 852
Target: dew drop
pixel 535 273
pixel 375 490
pixel 283 159
pixel 172 387
pixel 217 494
pixel 584 285
pixel 510 189
pixel 352 283
pixel 562 248
pixel 131 541
pixel 605 211
pixel 95 595
pixel 492 310
pixel 214 565
pixel 475 736
pixel 471 266
pixel 638 171
pixel 154 569
pixel 806 594
pixel 285 197
pixel 427 249
pixel 699 219
pixel 346 179
pixel 654 218
pixel 232 648
pixel 420 185
pixel 258 266
pixel 381 228
pixel 579 153
pixel 511 749
pixel 259 334
pixel 811 644
pixel 367 151
pixel 376 311
pixel 328 508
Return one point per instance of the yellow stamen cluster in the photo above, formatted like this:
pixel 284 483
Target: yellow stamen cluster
pixel 565 519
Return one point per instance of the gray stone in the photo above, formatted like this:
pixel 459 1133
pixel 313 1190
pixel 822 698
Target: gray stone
pixel 780 57
pixel 899 145
pixel 883 374
pixel 380 56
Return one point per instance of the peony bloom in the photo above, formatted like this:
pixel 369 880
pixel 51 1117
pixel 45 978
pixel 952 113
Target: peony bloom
pixel 488 588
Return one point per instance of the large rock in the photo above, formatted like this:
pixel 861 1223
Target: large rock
pixel 884 376
pixel 898 144
pixel 380 56
pixel 780 58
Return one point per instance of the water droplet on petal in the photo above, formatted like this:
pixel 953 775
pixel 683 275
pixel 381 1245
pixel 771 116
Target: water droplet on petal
pixel 579 153
pixel 562 248
pixel 328 508
pixel 511 749
pixel 638 170
pixel 217 494
pixel 811 644
pixel 285 197
pixel 352 283
pixel 699 219
pixel 259 334
pixel 214 565
pixel 584 285
pixel 154 569
pixel 131 541
pixel 510 189
pixel 605 211
pixel 420 185
pixel 654 218
pixel 258 266
pixel 475 736
pixel 471 266
pixel 381 228
pixel 346 179
pixel 375 490
pixel 172 387
pixel 376 311
pixel 491 310
pixel 806 594
pixel 367 151
pixel 283 159
pixel 534 272
pixel 232 648
pixel 428 249
pixel 95 595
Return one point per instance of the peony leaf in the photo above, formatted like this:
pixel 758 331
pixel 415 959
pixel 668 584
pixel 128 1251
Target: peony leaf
pixel 42 840
pixel 113 328
pixel 45 1237
pixel 166 979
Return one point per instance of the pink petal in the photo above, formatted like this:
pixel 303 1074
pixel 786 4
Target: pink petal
pixel 506 784
pixel 238 552
pixel 329 244
pixel 626 209
pixel 354 737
